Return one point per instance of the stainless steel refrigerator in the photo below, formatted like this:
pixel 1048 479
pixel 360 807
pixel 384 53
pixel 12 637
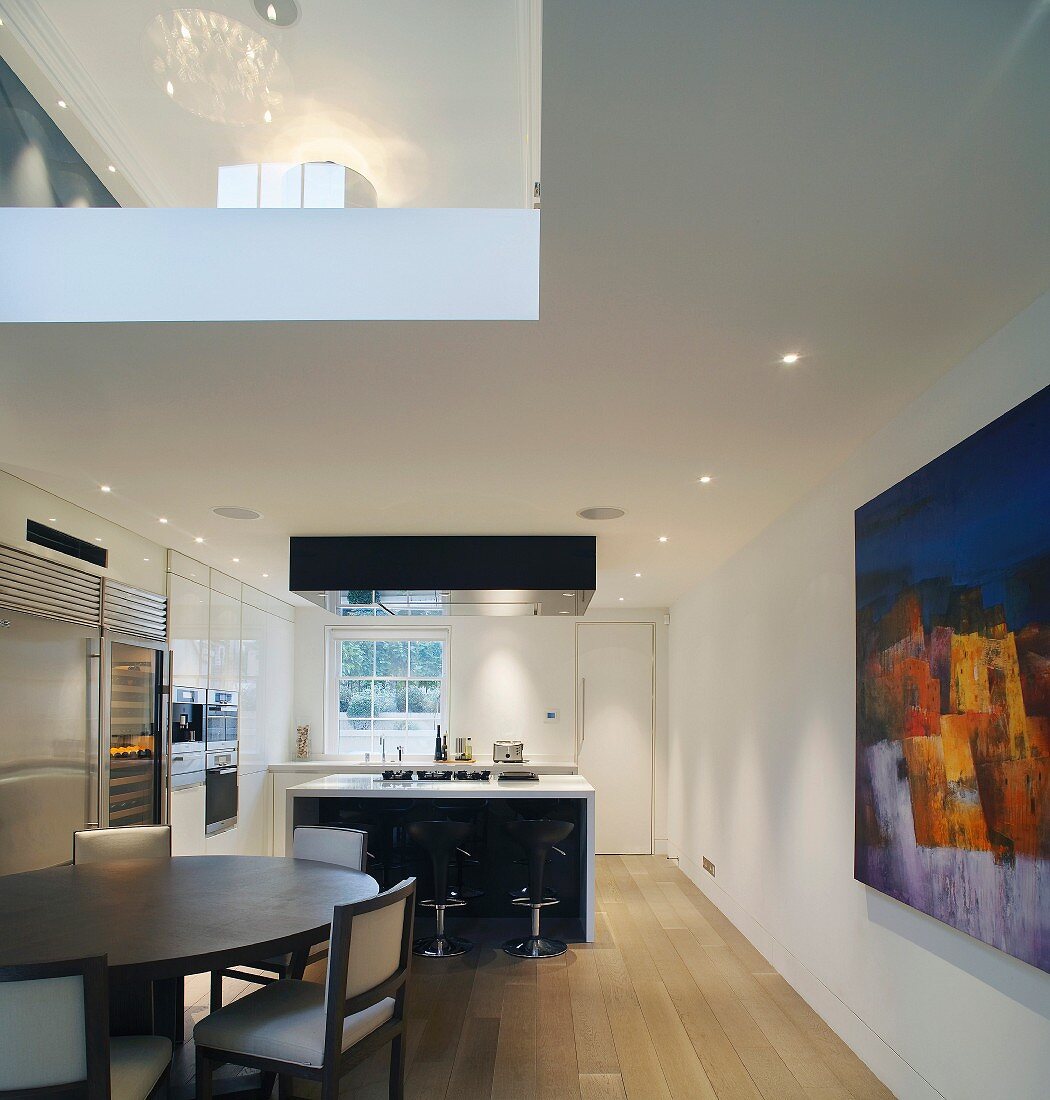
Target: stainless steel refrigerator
pixel 83 710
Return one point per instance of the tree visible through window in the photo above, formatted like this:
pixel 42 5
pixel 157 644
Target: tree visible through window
pixel 392 687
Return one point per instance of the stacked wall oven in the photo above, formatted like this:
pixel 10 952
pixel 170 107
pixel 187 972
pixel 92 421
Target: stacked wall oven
pixel 83 708
pixel 220 777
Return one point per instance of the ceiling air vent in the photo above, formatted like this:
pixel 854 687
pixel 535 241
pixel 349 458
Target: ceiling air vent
pixel 44 535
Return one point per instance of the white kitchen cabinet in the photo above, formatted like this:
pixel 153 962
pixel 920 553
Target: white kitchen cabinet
pixel 253 814
pixel 188 606
pixel 187 822
pixel 224 641
pixel 276 717
pixel 615 711
pixel 253 687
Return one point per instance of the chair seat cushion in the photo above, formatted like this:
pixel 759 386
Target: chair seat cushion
pixel 136 1063
pixel 284 1021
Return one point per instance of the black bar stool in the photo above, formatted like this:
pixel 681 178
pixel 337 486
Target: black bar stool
pixel 474 812
pixel 440 839
pixel 537 838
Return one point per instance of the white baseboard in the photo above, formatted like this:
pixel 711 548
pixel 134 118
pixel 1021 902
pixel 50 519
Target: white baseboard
pixel 899 1077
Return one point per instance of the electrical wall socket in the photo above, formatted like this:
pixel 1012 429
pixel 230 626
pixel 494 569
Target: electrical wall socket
pixel 709 867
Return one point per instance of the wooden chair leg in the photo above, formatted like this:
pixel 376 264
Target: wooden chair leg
pixel 397 1068
pixel 216 990
pixel 204 1071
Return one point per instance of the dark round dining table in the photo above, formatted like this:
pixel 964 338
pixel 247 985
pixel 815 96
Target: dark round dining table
pixel 158 920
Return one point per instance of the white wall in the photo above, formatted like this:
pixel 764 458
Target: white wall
pixel 132 559
pixel 504 673
pixel 203 265
pixel 761 772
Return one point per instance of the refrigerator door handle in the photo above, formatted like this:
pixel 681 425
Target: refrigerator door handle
pixel 94 732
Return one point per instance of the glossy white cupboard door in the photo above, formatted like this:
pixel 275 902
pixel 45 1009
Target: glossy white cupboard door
pixel 187 821
pixel 253 677
pixel 188 631
pixel 224 642
pixel 615 683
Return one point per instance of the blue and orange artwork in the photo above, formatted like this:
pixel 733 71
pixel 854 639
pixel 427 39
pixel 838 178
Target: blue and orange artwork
pixel 953 686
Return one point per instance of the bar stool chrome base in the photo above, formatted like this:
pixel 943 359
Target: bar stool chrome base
pixel 535 947
pixel 441 947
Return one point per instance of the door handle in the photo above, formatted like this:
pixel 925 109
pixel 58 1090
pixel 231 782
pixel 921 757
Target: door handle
pixel 583 710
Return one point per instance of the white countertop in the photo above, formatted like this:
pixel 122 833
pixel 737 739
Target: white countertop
pixel 372 786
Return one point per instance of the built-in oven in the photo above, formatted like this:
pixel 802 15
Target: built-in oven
pixel 221 720
pixel 220 791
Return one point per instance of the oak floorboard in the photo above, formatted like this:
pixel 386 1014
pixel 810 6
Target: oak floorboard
pixel 640 1068
pixel 601 1086
pixel 595 1048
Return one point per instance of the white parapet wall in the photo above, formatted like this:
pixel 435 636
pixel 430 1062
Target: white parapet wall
pixel 269 265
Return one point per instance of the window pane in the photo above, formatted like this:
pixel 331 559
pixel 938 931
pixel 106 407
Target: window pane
pixel 392 659
pixel 355 698
pixel 390 697
pixel 357 658
pixel 358 611
pixel 424 696
pixel 356 724
pixel 358 596
pixel 429 724
pixel 391 726
pixel 426 658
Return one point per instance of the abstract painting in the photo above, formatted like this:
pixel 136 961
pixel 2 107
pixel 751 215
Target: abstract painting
pixel 953 686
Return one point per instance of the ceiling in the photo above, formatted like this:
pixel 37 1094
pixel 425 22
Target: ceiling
pixel 429 101
pixel 865 184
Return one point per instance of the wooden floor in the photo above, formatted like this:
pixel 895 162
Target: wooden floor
pixel 670 1001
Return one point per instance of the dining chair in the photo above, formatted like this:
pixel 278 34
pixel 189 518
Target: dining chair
pixel 54 1037
pixel 325 844
pixel 130 842
pixel 298 1029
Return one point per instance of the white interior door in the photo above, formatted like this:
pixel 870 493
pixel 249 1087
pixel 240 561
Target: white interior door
pixel 615 683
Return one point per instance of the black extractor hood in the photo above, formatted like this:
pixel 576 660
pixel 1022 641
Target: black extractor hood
pixel 445 574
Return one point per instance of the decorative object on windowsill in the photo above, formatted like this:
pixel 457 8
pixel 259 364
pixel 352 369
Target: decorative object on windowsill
pixel 302 742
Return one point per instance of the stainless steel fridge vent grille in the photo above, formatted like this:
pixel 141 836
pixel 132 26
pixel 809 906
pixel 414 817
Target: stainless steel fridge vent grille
pixel 132 611
pixel 41 587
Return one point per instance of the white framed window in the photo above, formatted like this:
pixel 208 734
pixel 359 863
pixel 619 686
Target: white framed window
pixel 385 683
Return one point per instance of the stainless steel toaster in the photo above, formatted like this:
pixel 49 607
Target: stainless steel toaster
pixel 508 752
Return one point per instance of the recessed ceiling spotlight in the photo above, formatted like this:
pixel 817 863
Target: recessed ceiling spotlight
pixel 601 513
pixel 63 104
pixel 170 88
pixel 98 538
pixel 278 13
pixel 198 539
pixel 145 559
pixel 52 519
pixel 637 574
pixel 111 167
pixel 662 538
pixel 791 358
pixel 185 31
pixel 705 479
pixel 267 117
pixel 266 574
pixel 230 511
pixel 163 519
pixel 105 489
pixel 621 599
